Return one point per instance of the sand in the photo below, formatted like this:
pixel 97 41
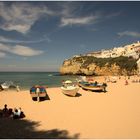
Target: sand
pixel 114 114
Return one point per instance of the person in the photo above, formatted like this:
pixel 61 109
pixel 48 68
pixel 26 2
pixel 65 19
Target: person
pixel 19 111
pixel 95 83
pixel 15 114
pixel 10 112
pixel 104 85
pixel 126 82
pixel 17 88
pixel 5 111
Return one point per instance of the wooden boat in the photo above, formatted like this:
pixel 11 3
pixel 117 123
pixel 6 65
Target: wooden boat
pixel 38 92
pixel 92 86
pixel 7 85
pixel 68 88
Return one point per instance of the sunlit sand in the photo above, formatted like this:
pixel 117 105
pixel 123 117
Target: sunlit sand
pixel 114 114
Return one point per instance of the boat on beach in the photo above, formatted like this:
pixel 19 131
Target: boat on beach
pixel 69 88
pixel 7 85
pixel 93 86
pixel 38 92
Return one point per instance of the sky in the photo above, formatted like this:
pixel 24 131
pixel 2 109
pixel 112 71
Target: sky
pixel 40 35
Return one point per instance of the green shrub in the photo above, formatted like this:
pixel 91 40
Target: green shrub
pixel 129 64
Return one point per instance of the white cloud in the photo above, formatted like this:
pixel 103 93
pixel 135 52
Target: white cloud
pixel 20 16
pixel 20 50
pixel 25 51
pixel 68 9
pixel 78 20
pixel 129 33
pixel 8 40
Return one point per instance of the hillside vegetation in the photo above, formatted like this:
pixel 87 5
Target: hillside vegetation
pixel 90 65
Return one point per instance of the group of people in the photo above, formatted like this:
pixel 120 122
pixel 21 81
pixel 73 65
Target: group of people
pixel 10 113
pixel 136 81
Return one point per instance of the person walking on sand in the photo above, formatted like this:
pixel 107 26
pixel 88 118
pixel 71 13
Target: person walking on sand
pixel 126 82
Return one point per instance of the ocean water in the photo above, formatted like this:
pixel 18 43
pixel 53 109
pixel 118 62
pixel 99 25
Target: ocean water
pixel 26 80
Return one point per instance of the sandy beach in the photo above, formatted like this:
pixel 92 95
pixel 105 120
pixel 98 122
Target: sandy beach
pixel 114 114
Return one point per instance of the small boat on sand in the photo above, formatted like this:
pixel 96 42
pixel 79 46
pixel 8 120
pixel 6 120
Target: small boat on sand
pixel 69 88
pixel 7 85
pixel 93 86
pixel 38 92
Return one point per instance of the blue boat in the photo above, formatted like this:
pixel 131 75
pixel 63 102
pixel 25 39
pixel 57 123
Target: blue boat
pixel 38 92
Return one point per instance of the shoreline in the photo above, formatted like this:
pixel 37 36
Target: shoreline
pixel 114 114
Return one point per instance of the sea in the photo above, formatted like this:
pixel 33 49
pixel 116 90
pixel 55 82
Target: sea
pixel 25 80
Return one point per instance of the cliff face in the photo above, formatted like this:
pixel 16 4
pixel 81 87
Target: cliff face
pixel 96 66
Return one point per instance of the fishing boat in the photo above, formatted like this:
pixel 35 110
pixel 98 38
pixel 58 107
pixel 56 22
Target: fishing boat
pixel 7 85
pixel 38 92
pixel 93 86
pixel 69 88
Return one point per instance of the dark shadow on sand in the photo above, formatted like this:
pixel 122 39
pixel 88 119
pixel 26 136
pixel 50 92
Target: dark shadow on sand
pixel 99 91
pixel 25 129
pixel 77 95
pixel 96 91
pixel 42 98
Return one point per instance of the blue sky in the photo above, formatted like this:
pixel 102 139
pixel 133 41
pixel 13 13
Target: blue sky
pixel 39 36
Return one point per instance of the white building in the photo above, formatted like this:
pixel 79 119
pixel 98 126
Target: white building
pixel 128 50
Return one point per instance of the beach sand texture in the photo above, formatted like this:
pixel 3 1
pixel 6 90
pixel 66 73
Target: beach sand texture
pixel 114 114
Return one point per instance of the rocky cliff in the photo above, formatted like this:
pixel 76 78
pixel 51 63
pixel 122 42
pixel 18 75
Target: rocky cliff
pixel 89 65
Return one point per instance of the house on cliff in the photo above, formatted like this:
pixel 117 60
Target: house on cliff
pixel 131 50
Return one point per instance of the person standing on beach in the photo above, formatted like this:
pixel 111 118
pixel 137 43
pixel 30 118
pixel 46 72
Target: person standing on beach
pixel 17 88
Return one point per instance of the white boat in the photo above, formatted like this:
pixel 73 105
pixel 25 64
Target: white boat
pixel 69 88
pixel 7 85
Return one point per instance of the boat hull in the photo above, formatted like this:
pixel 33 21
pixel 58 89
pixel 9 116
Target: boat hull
pixel 91 87
pixel 38 94
pixel 70 92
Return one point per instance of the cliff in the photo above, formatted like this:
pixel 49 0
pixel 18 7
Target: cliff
pixel 90 65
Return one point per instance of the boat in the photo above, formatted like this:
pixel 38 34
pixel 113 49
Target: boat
pixel 7 85
pixel 69 88
pixel 92 86
pixel 38 92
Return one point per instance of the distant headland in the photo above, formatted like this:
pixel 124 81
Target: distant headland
pixel 123 60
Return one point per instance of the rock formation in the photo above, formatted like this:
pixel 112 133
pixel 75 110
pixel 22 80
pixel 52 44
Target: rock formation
pixel 88 65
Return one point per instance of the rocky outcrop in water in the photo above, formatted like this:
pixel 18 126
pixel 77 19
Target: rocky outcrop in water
pixel 89 65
